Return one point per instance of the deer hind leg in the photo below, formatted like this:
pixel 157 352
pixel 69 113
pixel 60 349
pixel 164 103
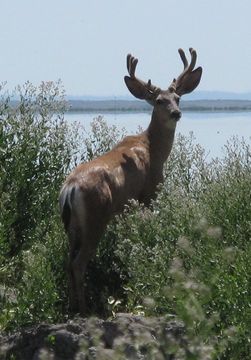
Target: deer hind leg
pixel 88 222
pixel 74 243
pixel 77 273
pixel 85 234
pixel 78 260
pixel 79 269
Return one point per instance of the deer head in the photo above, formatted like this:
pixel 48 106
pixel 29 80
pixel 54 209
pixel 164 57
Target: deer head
pixel 165 102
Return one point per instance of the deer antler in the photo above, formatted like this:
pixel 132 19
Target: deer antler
pixel 189 78
pixel 139 88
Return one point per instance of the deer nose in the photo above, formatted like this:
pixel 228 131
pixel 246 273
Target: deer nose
pixel 176 114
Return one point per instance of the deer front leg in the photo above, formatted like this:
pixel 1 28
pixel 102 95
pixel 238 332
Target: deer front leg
pixel 151 190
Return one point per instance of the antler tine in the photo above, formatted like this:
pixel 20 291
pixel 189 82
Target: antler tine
pixel 193 59
pixel 183 57
pixel 131 65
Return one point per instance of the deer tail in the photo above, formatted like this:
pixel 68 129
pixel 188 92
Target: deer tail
pixel 66 199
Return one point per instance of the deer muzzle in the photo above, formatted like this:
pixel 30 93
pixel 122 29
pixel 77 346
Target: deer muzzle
pixel 175 114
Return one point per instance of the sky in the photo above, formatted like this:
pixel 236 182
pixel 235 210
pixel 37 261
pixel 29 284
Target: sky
pixel 85 42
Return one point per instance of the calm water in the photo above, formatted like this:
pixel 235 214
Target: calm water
pixel 212 129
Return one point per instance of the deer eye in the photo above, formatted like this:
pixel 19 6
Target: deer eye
pixel 159 101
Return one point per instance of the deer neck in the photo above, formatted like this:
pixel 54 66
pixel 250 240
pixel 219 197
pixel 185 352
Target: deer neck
pixel 160 135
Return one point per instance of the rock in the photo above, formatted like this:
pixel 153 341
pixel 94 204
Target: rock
pixel 82 339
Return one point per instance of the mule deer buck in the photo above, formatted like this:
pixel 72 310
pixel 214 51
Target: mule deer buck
pixel 133 169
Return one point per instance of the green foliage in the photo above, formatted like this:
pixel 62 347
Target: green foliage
pixel 202 216
pixel 100 139
pixel 187 257
pixel 36 148
pixel 33 162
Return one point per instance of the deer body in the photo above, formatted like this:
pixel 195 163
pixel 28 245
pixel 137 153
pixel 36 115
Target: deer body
pixel 133 169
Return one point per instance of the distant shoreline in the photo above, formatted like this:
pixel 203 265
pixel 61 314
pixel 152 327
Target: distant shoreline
pixel 141 106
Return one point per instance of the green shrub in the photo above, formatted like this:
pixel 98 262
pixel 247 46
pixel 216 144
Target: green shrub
pixel 205 223
pixel 36 150
pixel 100 139
pixel 188 256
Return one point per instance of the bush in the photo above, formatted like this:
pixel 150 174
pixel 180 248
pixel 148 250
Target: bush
pixel 36 150
pixel 202 216
pixel 186 257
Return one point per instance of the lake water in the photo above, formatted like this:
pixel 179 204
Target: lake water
pixel 211 129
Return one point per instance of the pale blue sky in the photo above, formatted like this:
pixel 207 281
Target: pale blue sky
pixel 85 43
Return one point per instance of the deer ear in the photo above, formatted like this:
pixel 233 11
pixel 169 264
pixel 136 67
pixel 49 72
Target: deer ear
pixel 190 82
pixel 137 89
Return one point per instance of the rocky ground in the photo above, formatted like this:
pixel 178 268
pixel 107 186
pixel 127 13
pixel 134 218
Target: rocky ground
pixel 125 337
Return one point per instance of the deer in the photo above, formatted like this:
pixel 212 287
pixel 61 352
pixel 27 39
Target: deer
pixel 95 191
